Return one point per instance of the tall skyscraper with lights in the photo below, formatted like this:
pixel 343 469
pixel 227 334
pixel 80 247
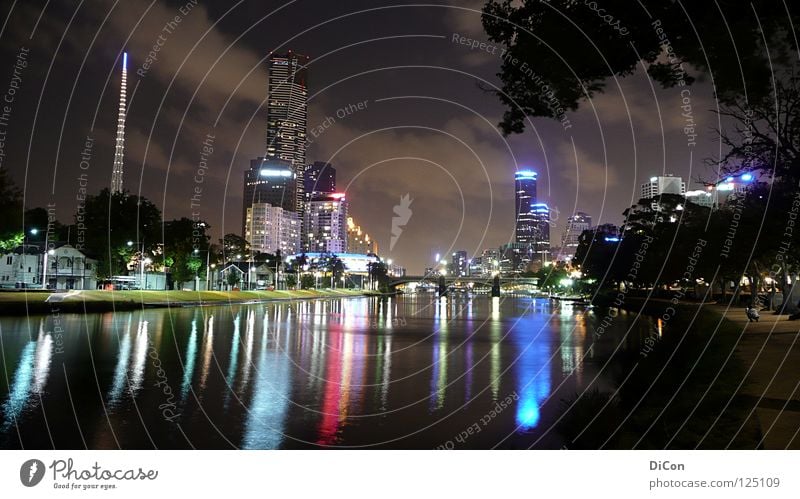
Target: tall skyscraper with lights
pixel 287 115
pixel 119 148
pixel 525 197
pixel 319 178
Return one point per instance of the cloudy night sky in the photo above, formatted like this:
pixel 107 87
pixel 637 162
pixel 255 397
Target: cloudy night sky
pixel 427 127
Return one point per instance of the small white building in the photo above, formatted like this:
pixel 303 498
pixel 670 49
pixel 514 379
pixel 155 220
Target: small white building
pixel 69 268
pixel 21 268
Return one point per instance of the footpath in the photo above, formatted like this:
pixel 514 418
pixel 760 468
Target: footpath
pixel 770 350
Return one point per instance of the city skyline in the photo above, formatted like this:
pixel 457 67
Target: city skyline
pixel 165 127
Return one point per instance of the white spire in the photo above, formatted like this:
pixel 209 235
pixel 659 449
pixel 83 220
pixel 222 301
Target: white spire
pixel 119 151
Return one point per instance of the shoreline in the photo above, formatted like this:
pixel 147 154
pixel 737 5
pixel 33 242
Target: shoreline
pixel 691 375
pixel 24 303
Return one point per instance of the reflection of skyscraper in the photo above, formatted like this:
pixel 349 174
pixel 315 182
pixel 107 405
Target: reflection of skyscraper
pixel 525 196
pixel 287 114
pixel 119 148
pixel 319 178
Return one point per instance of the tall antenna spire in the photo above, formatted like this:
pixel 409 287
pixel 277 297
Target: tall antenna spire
pixel 119 151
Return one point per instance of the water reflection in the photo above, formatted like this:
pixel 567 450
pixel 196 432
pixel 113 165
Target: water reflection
pixel 324 372
pixel 30 376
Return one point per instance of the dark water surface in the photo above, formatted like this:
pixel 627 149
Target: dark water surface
pixel 414 371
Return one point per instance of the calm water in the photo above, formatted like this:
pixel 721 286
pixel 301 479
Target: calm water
pixel 408 372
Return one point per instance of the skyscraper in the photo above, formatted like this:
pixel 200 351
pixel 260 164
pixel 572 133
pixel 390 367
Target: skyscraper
pixel 460 264
pixel 269 181
pixel 287 114
pixel 325 224
pixel 119 148
pixel 319 178
pixel 525 197
pixel 541 232
pixel 668 184
pixel 576 224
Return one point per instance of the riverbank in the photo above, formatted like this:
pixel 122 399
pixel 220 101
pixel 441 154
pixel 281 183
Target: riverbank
pixel 683 387
pixel 40 302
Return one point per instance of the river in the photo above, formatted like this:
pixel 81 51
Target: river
pixel 414 371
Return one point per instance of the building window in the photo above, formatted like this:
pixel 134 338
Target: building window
pixel 8 260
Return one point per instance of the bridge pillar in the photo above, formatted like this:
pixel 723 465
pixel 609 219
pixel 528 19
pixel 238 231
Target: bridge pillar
pixel 496 287
pixel 442 286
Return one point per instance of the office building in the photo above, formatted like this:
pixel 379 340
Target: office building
pixel 576 224
pixel 540 240
pixel 525 197
pixel 272 228
pixel 701 198
pixel 270 181
pixel 325 224
pixel 459 264
pixel 319 178
pixel 668 184
pixel 358 241
pixel 287 114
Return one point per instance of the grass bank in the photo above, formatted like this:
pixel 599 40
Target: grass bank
pixel 37 302
pixel 682 395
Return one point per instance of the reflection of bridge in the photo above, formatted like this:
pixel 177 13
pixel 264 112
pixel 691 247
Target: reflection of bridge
pixel 461 281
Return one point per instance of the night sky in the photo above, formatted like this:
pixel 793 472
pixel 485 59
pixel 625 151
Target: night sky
pixel 426 129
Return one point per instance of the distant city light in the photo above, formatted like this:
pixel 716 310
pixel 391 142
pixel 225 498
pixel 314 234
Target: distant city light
pixel 747 177
pixel 271 172
pixel 729 179
pixel 653 179
pixel 526 174
pixel 338 195
pixel 34 232
pixel 612 239
pixel 725 187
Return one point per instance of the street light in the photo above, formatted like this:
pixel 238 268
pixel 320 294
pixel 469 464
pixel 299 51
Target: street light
pixel 44 269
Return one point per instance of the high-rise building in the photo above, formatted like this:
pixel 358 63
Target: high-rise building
pixel 271 228
pixel 269 181
pixel 525 197
pixel 701 198
pixel 668 184
pixel 459 264
pixel 576 224
pixel 287 114
pixel 541 232
pixel 319 178
pixel 119 148
pixel 490 261
pixel 358 241
pixel 325 224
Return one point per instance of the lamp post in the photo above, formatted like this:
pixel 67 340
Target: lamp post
pixel 44 266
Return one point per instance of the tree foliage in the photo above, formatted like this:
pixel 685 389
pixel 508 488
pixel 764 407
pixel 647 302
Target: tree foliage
pixel 558 53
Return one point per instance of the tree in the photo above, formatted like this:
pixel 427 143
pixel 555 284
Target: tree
pixel 561 52
pixel 234 246
pixel 307 281
pixel 233 278
pixel 11 234
pixel 185 244
pixel 113 220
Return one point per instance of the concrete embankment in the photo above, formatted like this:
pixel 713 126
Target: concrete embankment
pixel 42 302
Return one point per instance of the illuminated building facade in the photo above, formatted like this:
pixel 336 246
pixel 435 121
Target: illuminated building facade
pixel 325 224
pixel 269 181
